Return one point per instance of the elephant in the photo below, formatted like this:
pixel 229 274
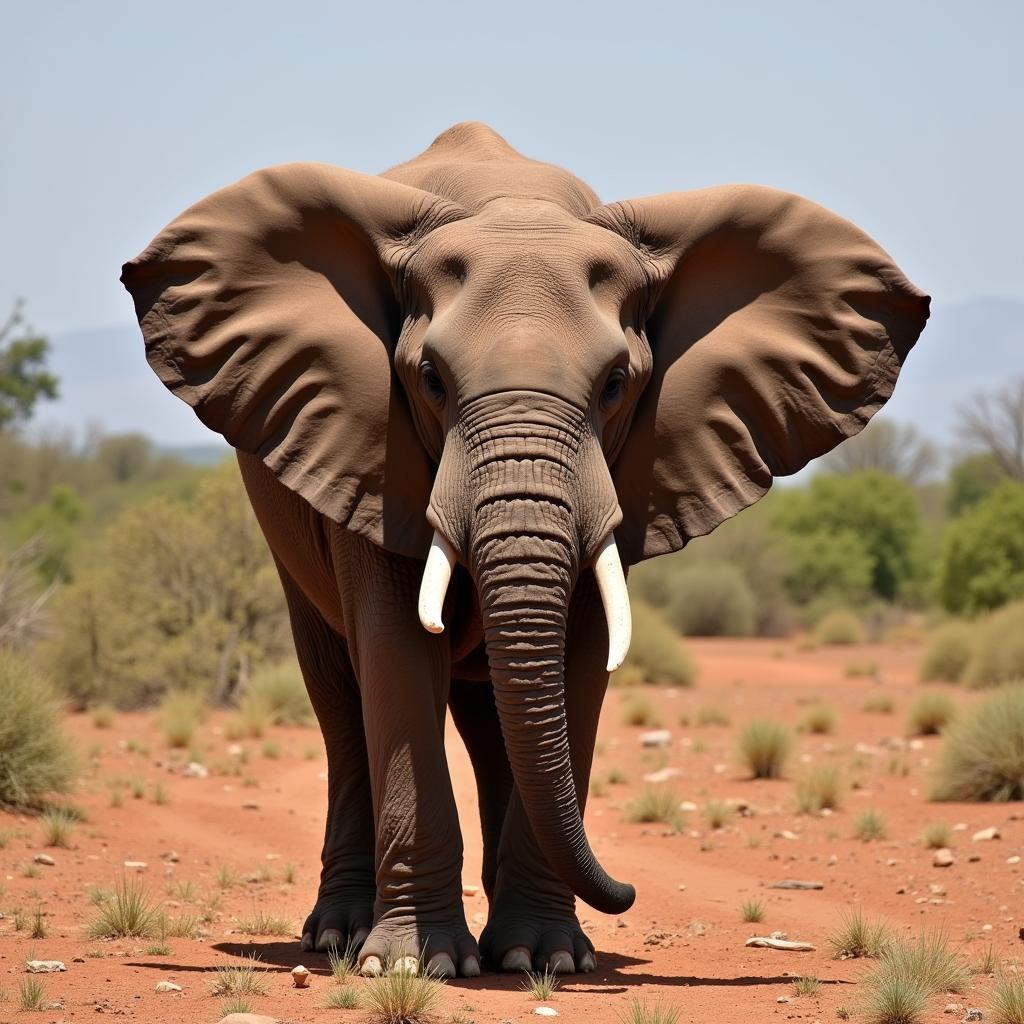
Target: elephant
pixel 466 395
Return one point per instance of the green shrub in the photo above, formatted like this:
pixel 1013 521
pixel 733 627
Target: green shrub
pixel 820 720
pixel 947 653
pixel 982 561
pixel 982 756
pixel 839 628
pixel 656 653
pixel 281 692
pixel 711 599
pixel 764 748
pixel 870 826
pixel 35 758
pixel 930 714
pixel 999 652
pixel 1007 999
pixel 857 937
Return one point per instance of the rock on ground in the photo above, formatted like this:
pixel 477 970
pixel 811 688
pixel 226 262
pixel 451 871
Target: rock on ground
pixel 44 966
pixel 247 1018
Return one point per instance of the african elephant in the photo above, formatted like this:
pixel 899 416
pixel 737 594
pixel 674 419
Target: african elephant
pixel 464 393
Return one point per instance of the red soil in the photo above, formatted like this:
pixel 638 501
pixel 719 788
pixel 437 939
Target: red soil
pixel 682 943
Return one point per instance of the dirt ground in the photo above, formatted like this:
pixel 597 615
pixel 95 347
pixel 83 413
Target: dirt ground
pixel 683 941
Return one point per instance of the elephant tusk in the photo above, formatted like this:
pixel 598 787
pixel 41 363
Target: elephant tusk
pixel 436 575
pixel 612 584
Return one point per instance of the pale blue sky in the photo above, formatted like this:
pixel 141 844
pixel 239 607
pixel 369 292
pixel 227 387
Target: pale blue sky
pixel 904 117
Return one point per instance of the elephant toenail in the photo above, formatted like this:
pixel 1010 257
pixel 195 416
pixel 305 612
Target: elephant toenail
pixel 517 959
pixel 587 962
pixel 561 963
pixel 405 965
pixel 307 942
pixel 471 967
pixel 441 966
pixel 371 967
pixel 329 937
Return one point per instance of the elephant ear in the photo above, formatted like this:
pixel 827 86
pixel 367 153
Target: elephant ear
pixel 777 330
pixel 269 308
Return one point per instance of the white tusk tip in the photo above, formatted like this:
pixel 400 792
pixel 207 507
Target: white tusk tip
pixel 615 663
pixel 432 627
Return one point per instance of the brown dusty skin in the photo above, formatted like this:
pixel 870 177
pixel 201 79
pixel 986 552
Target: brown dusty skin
pixel 653 952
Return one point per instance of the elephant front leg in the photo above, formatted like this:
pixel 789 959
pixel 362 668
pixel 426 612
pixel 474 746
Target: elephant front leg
pixel 532 924
pixel 343 912
pixel 403 675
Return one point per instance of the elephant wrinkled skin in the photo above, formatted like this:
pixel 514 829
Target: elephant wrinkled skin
pixel 470 355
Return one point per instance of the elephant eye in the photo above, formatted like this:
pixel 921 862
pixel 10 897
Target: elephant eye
pixel 614 388
pixel 433 386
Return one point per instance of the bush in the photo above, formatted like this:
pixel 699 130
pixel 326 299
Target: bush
pixel 638 710
pixel 821 789
pixel 999 651
pixel 839 628
pixel 982 561
pixel 820 720
pixel 765 748
pixel 947 653
pixel 858 937
pixel 35 758
pixel 982 758
pixel 180 713
pixel 930 714
pixel 711 599
pixel 281 692
pixel 656 653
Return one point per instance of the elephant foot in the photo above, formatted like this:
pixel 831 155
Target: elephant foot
pixel 442 949
pixel 525 938
pixel 338 922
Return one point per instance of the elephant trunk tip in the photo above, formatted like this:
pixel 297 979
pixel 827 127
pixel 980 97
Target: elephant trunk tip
pixel 617 898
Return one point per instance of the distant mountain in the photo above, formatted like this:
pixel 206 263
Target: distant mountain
pixel 967 347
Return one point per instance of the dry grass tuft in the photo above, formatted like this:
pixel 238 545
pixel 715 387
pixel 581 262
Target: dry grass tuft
pixel 127 913
pixel 765 747
pixel 930 714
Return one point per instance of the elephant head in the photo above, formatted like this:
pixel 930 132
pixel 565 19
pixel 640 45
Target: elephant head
pixel 469 356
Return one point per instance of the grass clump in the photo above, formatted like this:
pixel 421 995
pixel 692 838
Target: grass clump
pixel 764 748
pixel 179 716
pixel 752 911
pixel 947 653
pixel 262 923
pixel 937 836
pixel 892 997
pixel 820 789
pixel 858 937
pixel 819 720
pixel 280 693
pixel 655 804
pixel 839 628
pixel 343 963
pixel 999 653
pixel 236 1004
pixel 38 930
pixel 638 710
pixel 639 1011
pixel 1006 1003
pixel 718 813
pixel 930 714
pixel 929 959
pixel 879 704
pixel 807 986
pixel 870 826
pixel 244 979
pixel 982 758
pixel 711 715
pixel 401 997
pixel 35 758
pixel 344 998
pixel 656 654
pixel 32 995
pixel 58 824
pixel 541 985
pixel 103 716
pixel 127 913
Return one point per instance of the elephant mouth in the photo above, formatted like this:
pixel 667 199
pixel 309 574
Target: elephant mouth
pixel 611 582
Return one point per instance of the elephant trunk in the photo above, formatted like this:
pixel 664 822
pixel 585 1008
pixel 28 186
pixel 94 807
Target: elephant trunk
pixel 538 502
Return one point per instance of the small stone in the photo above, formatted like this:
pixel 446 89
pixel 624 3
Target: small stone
pixel 937 890
pixel 44 858
pixel 697 928
pixel 795 883
pixel 1013 860
pixel 782 999
pixel 973 1013
pixel 78 959
pixel 952 1008
pixel 44 966
pixel 170 856
pixel 300 977
pixel 545 1011
pixel 688 806
pixel 247 1018
pixel 960 826
pixel 167 986
pixel 943 858
pixel 974 858
pixel 833 860
pixel 786 834
pixel 195 770
pixel 656 738
pixel 662 776
pixel 136 865
pixel 470 890
pixel 250 805
pixel 982 836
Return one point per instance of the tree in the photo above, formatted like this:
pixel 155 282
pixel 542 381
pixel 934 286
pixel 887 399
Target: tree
pixel 982 563
pixel 995 423
pixel 23 379
pixel 866 514
pixel 894 448
pixel 971 479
